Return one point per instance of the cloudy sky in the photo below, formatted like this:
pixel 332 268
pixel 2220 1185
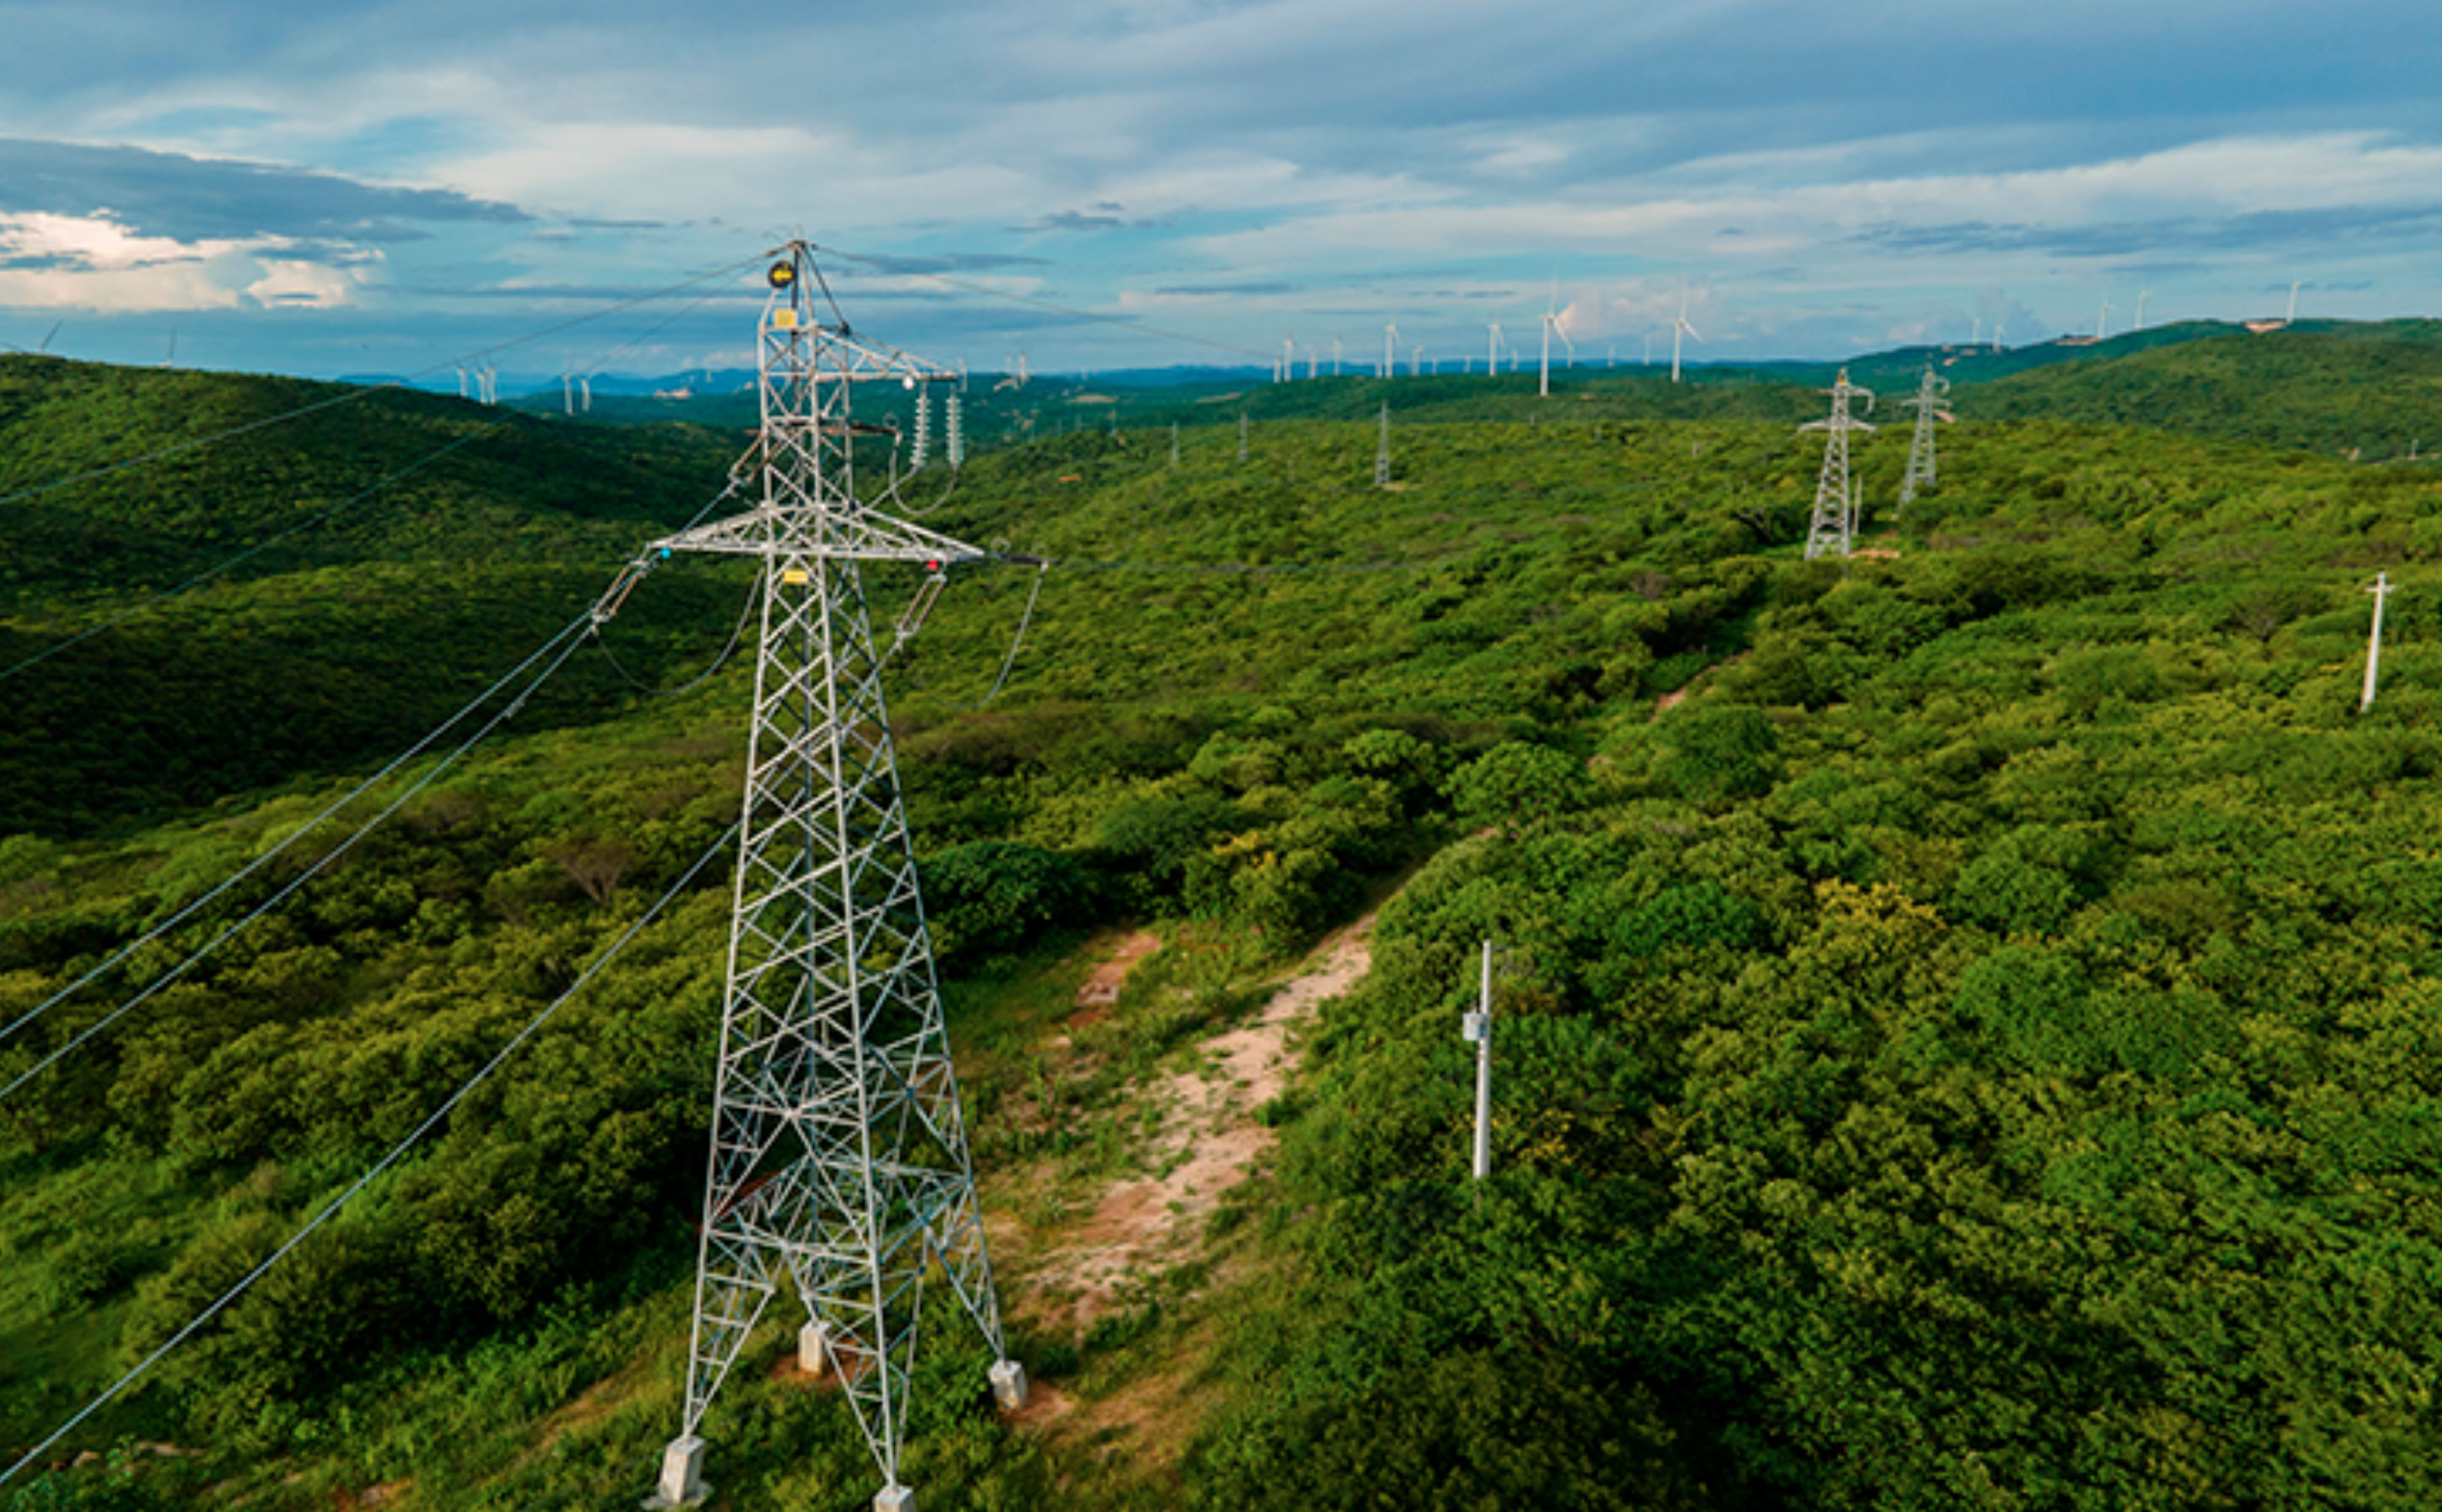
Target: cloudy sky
pixel 383 188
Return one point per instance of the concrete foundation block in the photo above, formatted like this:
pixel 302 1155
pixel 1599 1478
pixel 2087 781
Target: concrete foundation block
pixel 814 1349
pixel 1009 1384
pixel 895 1499
pixel 682 1482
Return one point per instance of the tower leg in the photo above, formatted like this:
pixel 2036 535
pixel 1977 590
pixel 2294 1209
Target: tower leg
pixel 1009 1386
pixel 813 1349
pixel 895 1499
pixel 682 1480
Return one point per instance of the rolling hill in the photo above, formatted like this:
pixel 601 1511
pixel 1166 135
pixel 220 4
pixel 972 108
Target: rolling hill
pixel 1966 1038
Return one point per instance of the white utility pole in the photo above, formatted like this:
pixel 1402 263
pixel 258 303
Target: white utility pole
pixel 2381 590
pixel 1478 1028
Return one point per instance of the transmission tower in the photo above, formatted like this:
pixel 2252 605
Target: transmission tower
pixel 1835 521
pixel 1382 451
pixel 839 1156
pixel 1931 392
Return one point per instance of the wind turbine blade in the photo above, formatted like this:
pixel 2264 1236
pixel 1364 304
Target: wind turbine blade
pixel 1691 331
pixel 47 335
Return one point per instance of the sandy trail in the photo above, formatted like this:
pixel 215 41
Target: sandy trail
pixel 1209 1141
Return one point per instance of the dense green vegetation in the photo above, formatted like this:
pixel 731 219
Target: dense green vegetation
pixel 1974 1048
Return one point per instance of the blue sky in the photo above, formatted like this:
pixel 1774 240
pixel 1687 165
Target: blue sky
pixel 380 188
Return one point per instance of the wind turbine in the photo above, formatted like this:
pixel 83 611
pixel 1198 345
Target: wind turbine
pixel 2293 302
pixel 1551 323
pixel 2103 320
pixel 1390 349
pixel 1335 357
pixel 1492 354
pixel 1680 329
pixel 1415 362
pixel 2143 295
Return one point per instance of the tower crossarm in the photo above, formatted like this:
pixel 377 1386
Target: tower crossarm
pixel 793 531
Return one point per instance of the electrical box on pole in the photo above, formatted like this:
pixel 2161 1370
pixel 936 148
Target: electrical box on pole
pixel 1476 1029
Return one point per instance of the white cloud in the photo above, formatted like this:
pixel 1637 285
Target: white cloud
pixel 94 262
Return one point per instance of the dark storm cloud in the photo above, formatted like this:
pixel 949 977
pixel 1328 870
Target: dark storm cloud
pixel 198 199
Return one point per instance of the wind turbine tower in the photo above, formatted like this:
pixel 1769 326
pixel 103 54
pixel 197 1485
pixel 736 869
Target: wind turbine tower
pixel 1834 524
pixel 2292 312
pixel 1492 353
pixel 1389 348
pixel 1552 324
pixel 2143 295
pixel 1679 331
pixel 839 1162
pixel 1931 392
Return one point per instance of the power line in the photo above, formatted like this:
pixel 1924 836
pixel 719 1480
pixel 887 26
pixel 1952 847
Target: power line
pixel 259 547
pixel 1023 620
pixel 332 1208
pixel 745 613
pixel 593 618
pixel 572 638
pixel 309 827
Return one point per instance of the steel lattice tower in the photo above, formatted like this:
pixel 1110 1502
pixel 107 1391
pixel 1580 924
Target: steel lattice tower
pixel 1930 394
pixel 1835 521
pixel 839 1154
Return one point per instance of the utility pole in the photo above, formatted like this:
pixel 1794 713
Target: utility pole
pixel 1382 450
pixel 1834 523
pixel 1930 393
pixel 839 1157
pixel 1477 1027
pixel 2381 590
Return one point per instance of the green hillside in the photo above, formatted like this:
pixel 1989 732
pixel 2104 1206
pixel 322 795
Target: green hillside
pixel 1966 1038
pixel 409 541
pixel 2372 392
pixel 2326 386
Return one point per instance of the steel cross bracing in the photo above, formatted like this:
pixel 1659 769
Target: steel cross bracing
pixel 1928 402
pixel 1833 528
pixel 839 1158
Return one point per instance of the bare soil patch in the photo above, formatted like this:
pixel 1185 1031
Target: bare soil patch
pixel 1209 1141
